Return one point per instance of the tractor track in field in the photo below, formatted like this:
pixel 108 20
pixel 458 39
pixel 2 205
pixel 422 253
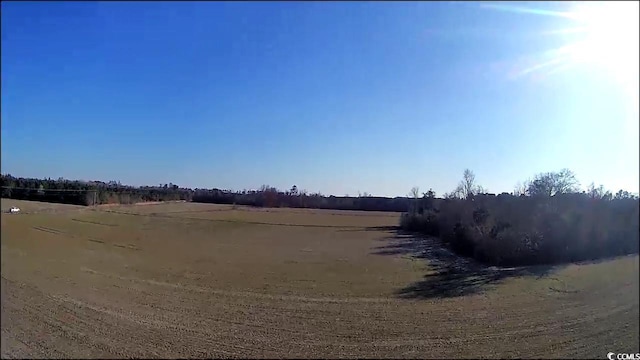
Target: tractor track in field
pixel 267 326
pixel 159 215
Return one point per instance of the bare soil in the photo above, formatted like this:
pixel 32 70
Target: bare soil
pixel 200 280
pixel 29 207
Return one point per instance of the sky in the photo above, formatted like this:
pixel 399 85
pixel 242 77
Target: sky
pixel 333 97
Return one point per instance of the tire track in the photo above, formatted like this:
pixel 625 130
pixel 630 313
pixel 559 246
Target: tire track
pixel 94 222
pixel 72 236
pixel 248 294
pixel 156 215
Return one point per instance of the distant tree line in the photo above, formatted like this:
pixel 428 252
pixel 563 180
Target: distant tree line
pixel 97 192
pixel 268 196
pixel 544 221
pixel 88 192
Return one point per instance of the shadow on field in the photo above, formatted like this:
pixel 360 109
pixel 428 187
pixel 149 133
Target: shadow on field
pixel 451 275
pixel 373 228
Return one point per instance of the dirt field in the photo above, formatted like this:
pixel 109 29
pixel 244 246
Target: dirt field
pixel 199 280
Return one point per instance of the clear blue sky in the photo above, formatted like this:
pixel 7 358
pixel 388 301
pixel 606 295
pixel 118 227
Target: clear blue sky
pixel 333 97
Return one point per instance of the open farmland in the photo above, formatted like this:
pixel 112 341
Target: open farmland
pixel 201 280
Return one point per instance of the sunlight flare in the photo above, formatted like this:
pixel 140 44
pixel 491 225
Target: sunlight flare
pixel 601 35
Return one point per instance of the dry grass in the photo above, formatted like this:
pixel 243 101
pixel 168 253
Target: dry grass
pixel 198 280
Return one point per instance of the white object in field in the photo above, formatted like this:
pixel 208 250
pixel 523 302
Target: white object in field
pixel 14 209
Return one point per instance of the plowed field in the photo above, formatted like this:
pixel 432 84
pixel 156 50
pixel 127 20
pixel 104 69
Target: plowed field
pixel 196 280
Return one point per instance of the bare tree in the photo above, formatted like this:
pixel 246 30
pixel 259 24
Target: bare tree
pixel 521 188
pixel 468 183
pixel 598 192
pixel 414 193
pixel 467 187
pixel 553 183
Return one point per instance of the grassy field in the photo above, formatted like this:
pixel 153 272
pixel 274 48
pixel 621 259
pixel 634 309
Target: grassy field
pixel 200 280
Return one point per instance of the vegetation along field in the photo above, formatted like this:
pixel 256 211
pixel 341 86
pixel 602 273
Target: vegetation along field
pixel 206 280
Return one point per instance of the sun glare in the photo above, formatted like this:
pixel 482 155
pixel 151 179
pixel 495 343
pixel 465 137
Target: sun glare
pixel 609 37
pixel 602 36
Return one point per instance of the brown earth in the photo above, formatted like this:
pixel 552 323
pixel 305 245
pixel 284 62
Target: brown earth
pixel 199 280
pixel 30 207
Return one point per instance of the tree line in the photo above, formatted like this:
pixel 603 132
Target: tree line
pixel 87 192
pixel 112 192
pixel 545 220
pixel 268 196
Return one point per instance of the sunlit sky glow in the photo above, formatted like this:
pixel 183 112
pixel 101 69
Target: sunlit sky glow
pixel 599 34
pixel 389 96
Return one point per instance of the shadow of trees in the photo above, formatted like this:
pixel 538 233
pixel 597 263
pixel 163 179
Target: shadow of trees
pixel 451 275
pixel 395 229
